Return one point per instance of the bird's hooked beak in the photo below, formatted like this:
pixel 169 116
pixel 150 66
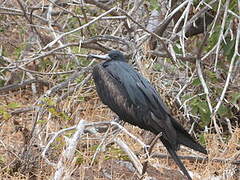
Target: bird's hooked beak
pixel 102 57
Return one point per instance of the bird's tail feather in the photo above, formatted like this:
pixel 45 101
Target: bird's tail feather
pixel 176 158
pixel 186 139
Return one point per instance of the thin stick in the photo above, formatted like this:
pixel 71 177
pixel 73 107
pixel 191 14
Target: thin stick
pixel 196 158
pixel 205 88
pixel 149 151
pixel 221 34
pixel 230 71
pixel 130 154
pixel 79 28
pixel 56 134
pixel 152 33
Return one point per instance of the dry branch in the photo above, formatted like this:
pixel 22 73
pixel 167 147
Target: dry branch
pixel 66 163
pixel 79 28
pixel 196 158
pixel 230 71
pixel 130 154
pixel 12 87
pixel 103 27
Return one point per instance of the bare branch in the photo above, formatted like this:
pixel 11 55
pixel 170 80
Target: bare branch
pixel 220 39
pixel 230 71
pixel 197 158
pixel 79 28
pixel 23 84
pixel 130 154
pixel 66 163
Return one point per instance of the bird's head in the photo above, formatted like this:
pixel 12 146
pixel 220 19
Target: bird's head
pixel 113 55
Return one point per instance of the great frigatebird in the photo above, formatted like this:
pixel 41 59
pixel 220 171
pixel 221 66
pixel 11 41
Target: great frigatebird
pixel 136 101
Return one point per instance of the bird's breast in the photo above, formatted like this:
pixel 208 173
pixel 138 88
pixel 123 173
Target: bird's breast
pixel 113 94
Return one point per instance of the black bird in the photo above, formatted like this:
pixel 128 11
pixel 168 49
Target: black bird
pixel 135 101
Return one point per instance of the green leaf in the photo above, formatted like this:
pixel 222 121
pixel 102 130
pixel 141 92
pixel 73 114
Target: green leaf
pixel 3 112
pixel 18 50
pixel 224 111
pixel 154 4
pixel 214 38
pixel 50 101
pixel 64 116
pixel 2 109
pixel 81 98
pixel 205 119
pixel 2 82
pixel 41 121
pixel 14 105
pixel 235 97
pixel 53 111
pixel 45 63
pixel 2 160
pixel 211 76
pixel 94 147
pixel 177 48
pixel 233 6
pixel 200 107
pixel 196 82
pixel 6 115
pixel 186 96
pixel 80 159
pixel 202 139
pixel 203 107
pixel 205 115
pixel 157 67
pixel 70 133
pixel 228 48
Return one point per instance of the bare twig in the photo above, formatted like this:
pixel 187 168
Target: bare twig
pixel 12 87
pixel 121 128
pixel 205 87
pixel 149 151
pixel 29 19
pixel 191 21
pixel 80 85
pixel 66 163
pixel 100 146
pixel 152 33
pixel 200 75
pixel 79 28
pixel 18 12
pixel 197 158
pixel 162 27
pixel 51 91
pixel 187 58
pixel 216 17
pixel 220 39
pixel 94 124
pixel 132 136
pixel 106 8
pixel 22 110
pixel 230 71
pixel 55 135
pixel 130 154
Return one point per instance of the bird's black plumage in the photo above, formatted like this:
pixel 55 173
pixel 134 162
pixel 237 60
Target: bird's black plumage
pixel 135 101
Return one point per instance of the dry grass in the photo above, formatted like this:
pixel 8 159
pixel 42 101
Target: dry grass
pixel 21 43
pixel 12 142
